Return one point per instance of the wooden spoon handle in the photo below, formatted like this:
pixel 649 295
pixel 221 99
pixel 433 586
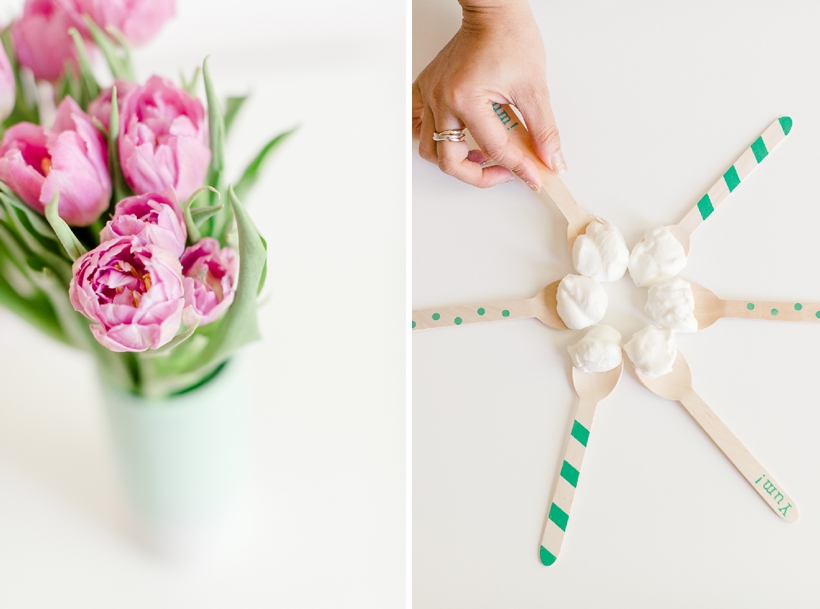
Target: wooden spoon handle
pixel 780 311
pixel 551 184
pixel 564 491
pixel 444 317
pixel 771 492
pixel 742 167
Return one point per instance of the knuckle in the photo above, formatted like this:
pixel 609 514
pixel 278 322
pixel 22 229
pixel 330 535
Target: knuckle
pixel 449 165
pixel 510 156
pixel 549 136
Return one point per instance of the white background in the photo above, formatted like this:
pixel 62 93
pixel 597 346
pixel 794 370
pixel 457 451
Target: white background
pixel 654 101
pixel 328 378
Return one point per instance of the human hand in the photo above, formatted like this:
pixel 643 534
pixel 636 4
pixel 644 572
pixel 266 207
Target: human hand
pixel 497 57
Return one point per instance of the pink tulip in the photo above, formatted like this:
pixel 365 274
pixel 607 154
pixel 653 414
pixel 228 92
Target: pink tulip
pixel 100 108
pixel 163 140
pixel 8 88
pixel 138 20
pixel 131 291
pixel 41 37
pixel 71 158
pixel 209 278
pixel 152 218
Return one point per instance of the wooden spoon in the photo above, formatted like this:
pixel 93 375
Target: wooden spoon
pixel 591 388
pixel 677 385
pixel 552 187
pixel 543 307
pixel 743 166
pixel 709 308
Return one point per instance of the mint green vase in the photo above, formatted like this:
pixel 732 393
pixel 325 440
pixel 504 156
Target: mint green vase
pixel 184 461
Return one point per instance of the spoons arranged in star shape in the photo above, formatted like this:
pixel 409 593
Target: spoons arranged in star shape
pixel 674 385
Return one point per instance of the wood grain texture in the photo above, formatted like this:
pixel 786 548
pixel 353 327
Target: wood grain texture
pixel 553 188
pixel 592 388
pixel 720 190
pixel 543 307
pixel 677 386
pixel 709 308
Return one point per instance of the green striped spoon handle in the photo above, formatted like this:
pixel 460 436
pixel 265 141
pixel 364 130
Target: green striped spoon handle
pixel 591 389
pixel 739 171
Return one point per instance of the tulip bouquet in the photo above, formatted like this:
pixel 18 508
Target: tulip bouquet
pixel 117 233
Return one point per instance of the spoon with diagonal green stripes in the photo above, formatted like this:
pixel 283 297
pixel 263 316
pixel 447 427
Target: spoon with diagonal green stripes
pixel 677 385
pixel 592 388
pixel 720 190
pixel 543 307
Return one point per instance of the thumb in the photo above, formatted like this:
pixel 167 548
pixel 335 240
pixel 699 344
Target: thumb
pixel 537 112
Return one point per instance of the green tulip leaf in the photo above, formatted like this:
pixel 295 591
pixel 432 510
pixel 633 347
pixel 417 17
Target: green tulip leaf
pixel 194 234
pixel 25 107
pixel 37 222
pixel 200 214
pixel 39 250
pixel 125 50
pixel 216 127
pixel 240 325
pixel 36 309
pixel 191 85
pixel 89 88
pixel 248 179
pixel 118 59
pixel 232 107
pixel 119 187
pixel 68 239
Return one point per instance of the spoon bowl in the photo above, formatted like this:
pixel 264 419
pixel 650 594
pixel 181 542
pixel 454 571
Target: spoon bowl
pixel 709 308
pixel 596 386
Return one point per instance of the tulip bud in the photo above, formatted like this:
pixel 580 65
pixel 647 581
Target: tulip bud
pixel 209 279
pixel 163 140
pixel 71 158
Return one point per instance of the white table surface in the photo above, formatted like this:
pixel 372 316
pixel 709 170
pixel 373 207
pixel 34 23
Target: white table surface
pixel 654 101
pixel 328 380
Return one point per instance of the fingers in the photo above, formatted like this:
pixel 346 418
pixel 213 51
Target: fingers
pixel 417 110
pixel 491 135
pixel 427 147
pixel 454 158
pixel 537 112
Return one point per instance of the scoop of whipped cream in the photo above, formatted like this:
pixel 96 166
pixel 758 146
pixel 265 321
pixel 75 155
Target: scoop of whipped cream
pixel 652 350
pixel 601 252
pixel 598 351
pixel 657 256
pixel 672 305
pixel 582 301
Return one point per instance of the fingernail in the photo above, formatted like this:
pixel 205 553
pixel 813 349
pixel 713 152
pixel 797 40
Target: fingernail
pixel 559 165
pixel 486 164
pixel 533 187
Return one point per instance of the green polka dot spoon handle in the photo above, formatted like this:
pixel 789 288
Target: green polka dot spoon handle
pixel 709 308
pixel 720 190
pixel 543 307
pixel 591 388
